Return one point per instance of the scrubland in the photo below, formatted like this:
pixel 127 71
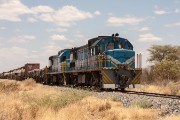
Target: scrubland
pixel 28 100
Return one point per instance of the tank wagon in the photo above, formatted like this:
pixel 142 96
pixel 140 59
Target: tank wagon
pixel 104 62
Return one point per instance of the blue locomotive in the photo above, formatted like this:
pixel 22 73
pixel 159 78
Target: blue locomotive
pixel 105 62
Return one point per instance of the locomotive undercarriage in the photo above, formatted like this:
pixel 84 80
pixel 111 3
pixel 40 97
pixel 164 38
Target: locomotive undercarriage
pixel 102 78
pixel 88 79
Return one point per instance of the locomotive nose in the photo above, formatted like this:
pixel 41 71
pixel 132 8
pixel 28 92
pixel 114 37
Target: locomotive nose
pixel 121 58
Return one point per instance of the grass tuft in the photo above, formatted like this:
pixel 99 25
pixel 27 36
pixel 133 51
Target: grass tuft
pixel 9 87
pixel 144 103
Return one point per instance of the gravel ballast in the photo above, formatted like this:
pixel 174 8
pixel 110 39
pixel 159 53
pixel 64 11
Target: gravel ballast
pixel 167 106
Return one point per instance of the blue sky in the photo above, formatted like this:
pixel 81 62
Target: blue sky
pixel 32 30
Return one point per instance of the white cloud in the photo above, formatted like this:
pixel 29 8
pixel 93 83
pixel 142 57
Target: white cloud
pixel 160 12
pixel 115 21
pixel 97 13
pixel 69 46
pixel 57 37
pixel 176 1
pixel 2 28
pixel 16 52
pixel 31 20
pixel 79 35
pixel 144 29
pixel 15 57
pixel 69 15
pixel 57 30
pixel 22 38
pixel 1 41
pixel 173 25
pixel 46 17
pixel 149 38
pixel 177 10
pixel 42 9
pixel 66 16
pixel 111 14
pixel 11 10
pixel 51 49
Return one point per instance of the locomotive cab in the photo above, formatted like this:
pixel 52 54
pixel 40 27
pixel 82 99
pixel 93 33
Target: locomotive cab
pixel 53 63
pixel 114 51
pixel 64 60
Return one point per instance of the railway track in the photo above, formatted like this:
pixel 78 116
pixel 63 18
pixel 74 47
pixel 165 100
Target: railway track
pixel 153 94
pixel 177 97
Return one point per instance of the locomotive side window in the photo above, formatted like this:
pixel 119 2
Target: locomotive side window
pixel 71 57
pixel 82 54
pixel 120 45
pixel 63 59
pixel 97 50
pixel 79 55
pixel 91 51
pixel 75 55
pixel 94 51
pixel 85 54
pixel 129 47
pixel 101 48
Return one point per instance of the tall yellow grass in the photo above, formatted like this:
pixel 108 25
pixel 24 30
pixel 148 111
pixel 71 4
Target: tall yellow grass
pixel 172 88
pixel 28 100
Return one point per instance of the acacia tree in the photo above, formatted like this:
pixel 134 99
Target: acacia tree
pixel 166 59
pixel 159 53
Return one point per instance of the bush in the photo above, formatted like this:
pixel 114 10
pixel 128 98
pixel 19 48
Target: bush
pixel 167 70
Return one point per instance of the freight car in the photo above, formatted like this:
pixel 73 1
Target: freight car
pixel 104 62
pixel 39 75
pixel 20 73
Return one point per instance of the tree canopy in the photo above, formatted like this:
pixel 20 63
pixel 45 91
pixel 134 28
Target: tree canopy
pixel 166 59
pixel 159 53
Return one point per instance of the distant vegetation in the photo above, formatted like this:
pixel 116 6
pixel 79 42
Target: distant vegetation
pixel 166 64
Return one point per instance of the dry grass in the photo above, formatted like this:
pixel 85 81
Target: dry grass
pixel 168 88
pixel 28 100
pixel 173 117
pixel 91 108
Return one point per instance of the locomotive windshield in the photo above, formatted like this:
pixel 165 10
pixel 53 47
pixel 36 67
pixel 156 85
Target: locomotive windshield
pixel 110 46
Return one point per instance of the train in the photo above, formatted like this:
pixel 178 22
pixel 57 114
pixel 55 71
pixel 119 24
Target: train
pixel 105 62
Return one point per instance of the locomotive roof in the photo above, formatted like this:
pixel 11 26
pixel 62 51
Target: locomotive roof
pixel 93 40
pixel 84 46
pixel 53 56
